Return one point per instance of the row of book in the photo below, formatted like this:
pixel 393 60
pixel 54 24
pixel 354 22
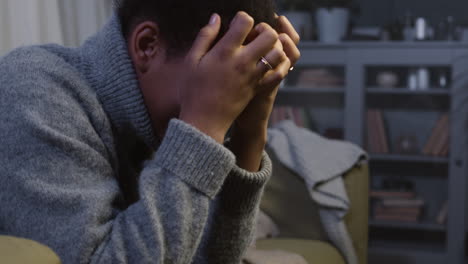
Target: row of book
pixel 402 206
pixel 438 143
pixel 376 133
pixel 377 139
pixel 319 78
pixel 397 206
pixel 302 118
pixel 298 115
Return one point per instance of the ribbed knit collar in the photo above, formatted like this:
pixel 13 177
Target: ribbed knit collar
pixel 110 71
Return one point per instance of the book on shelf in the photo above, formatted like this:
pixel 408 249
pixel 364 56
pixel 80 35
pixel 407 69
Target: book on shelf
pixel 397 218
pixel 442 214
pixel 397 206
pixel 382 132
pixel 392 210
pixel 414 202
pixel 297 115
pixel 376 132
pixel 384 194
pixel 438 143
pixel 319 78
pixel 334 133
pixel 372 141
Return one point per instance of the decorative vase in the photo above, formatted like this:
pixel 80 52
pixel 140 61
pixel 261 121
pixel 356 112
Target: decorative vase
pixel 302 22
pixel 332 24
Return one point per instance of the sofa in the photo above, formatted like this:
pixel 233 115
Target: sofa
pixel 287 202
pixel 22 251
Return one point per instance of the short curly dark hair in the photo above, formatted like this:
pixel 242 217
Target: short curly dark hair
pixel 180 21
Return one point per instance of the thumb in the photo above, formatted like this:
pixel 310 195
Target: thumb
pixel 205 38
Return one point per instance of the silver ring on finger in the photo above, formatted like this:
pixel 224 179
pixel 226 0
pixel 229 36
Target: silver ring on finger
pixel 266 63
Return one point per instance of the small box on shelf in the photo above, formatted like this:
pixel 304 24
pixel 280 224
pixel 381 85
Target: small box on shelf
pixel 316 77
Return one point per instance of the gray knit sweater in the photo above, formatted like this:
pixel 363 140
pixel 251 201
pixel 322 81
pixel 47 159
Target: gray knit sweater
pixel 81 170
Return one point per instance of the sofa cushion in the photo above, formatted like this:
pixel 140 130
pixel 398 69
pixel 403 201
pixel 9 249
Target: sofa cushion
pixel 313 251
pixel 287 201
pixel 18 250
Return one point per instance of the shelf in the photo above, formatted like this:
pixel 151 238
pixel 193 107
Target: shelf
pixel 408 158
pixel 405 99
pixel 384 252
pixel 311 97
pixel 297 89
pixel 406 91
pixel 428 226
pixel 384 44
pixel 407 245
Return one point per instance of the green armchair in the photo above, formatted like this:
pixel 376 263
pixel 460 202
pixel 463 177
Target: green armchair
pixel 22 251
pixel 288 203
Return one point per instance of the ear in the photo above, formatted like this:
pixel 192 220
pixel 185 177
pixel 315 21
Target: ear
pixel 145 45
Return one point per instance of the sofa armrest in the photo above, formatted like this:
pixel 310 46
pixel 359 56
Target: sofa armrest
pixel 357 187
pixel 19 250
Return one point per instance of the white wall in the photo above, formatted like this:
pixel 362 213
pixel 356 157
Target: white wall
pixel 69 22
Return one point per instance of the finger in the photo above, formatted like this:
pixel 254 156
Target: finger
pixel 290 48
pixel 274 58
pixel 285 26
pixel 238 31
pixel 205 38
pixel 251 37
pixel 263 43
pixel 273 78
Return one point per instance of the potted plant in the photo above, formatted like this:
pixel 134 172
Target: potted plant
pixel 299 12
pixel 332 17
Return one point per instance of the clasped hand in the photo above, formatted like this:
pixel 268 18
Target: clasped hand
pixel 234 83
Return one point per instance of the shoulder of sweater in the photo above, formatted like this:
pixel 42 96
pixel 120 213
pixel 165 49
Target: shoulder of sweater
pixel 36 63
pixel 35 75
pixel 49 67
pixel 33 57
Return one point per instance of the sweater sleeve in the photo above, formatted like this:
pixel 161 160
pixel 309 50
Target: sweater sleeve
pixel 58 186
pixel 176 191
pixel 232 219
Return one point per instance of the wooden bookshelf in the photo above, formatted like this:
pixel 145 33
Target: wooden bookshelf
pixel 405 91
pixel 438 178
pixel 423 225
pixel 409 158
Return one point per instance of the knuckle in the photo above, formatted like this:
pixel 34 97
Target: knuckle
pixel 271 34
pixel 245 19
pixel 283 36
pixel 283 55
pixel 279 53
pixel 284 39
pixel 278 76
pixel 205 33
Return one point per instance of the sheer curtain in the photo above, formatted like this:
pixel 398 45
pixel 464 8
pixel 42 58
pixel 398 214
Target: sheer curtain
pixel 67 22
pixel 82 18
